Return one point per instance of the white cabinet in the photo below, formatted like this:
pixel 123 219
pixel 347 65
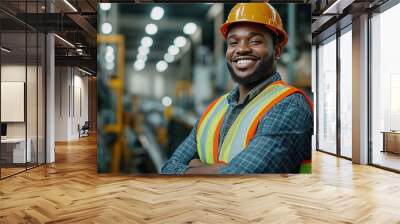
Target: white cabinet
pixel 18 149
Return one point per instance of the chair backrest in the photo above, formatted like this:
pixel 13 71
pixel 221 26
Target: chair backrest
pixel 85 125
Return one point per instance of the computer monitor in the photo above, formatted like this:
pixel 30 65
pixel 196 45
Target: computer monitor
pixel 3 129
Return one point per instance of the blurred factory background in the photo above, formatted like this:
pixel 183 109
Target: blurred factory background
pixel 160 65
pixel 48 169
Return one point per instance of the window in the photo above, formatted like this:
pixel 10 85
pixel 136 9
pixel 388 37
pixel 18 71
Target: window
pixel 327 96
pixel 346 93
pixel 385 88
pixel 22 76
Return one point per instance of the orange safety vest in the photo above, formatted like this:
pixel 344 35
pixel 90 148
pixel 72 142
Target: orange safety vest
pixel 244 127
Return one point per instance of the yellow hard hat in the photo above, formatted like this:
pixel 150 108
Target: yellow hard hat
pixel 261 13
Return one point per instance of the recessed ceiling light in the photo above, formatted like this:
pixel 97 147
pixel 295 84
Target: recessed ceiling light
pixel 157 13
pixel 180 41
pixel 169 58
pixel 190 28
pixel 106 28
pixel 110 66
pixel 110 57
pixel 141 57
pixel 173 50
pixel 105 6
pixel 139 65
pixel 109 49
pixel 166 101
pixel 146 41
pixel 143 50
pixel 161 66
pixel 151 29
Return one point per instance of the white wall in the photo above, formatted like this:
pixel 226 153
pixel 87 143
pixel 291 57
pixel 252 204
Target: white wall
pixel 79 117
pixel 61 103
pixel 71 93
pixel 13 73
pixel 33 126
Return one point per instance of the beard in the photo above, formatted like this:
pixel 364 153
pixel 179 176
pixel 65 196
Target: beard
pixel 265 70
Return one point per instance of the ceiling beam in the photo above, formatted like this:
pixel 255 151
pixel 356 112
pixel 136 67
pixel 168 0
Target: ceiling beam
pixel 84 61
pixel 86 27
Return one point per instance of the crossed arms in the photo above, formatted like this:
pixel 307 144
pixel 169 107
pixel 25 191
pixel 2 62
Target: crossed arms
pixel 281 143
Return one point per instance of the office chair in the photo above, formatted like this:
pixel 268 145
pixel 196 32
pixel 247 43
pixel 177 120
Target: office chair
pixel 84 130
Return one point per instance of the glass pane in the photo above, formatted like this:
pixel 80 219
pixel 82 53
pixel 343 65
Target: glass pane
pixel 346 94
pixel 13 87
pixel 327 96
pixel 23 88
pixel 41 99
pixel 31 97
pixel 31 83
pixel 385 89
pixel 313 86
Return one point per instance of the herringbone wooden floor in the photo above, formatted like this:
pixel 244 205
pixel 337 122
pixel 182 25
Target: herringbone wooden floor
pixel 70 191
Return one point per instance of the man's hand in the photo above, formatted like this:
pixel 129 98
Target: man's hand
pixel 197 167
pixel 195 163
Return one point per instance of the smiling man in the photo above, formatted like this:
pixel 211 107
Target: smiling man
pixel 261 126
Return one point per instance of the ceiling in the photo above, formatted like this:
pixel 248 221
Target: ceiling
pixel 332 15
pixel 80 27
pixel 132 19
pixel 76 24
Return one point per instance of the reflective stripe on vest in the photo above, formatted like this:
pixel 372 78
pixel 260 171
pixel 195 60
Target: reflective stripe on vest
pixel 244 127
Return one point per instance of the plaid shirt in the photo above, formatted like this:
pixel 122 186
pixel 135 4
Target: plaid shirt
pixel 282 140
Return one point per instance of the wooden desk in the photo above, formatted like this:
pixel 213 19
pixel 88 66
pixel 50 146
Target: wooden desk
pixel 16 147
pixel 391 141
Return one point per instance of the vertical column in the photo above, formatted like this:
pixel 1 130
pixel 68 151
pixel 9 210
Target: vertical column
pixel 314 92
pixel 360 90
pixel 338 95
pixel 92 101
pixel 50 93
